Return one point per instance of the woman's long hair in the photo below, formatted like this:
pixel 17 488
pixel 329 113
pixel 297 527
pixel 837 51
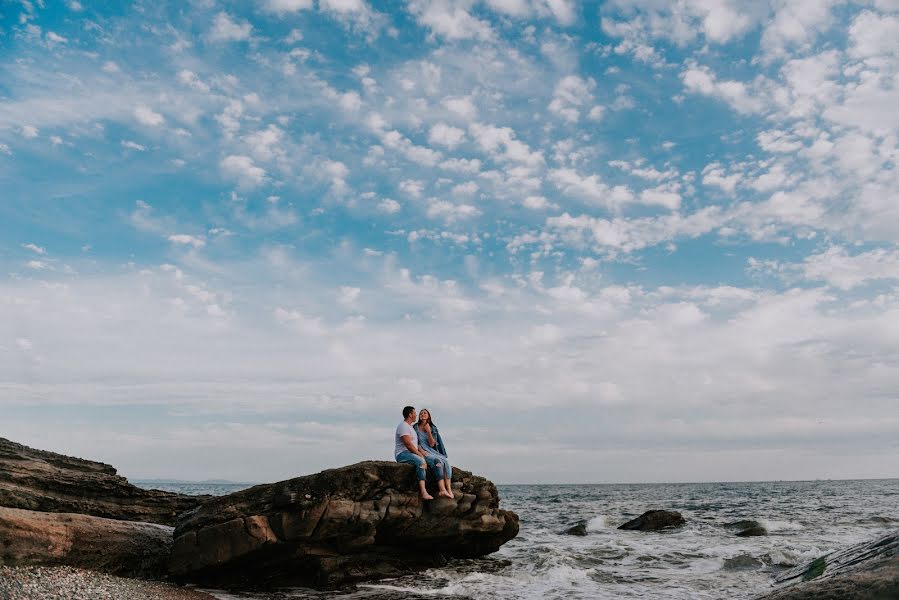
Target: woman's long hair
pixel 430 420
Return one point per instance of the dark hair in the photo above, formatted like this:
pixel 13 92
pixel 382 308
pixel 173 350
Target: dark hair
pixel 407 411
pixel 430 420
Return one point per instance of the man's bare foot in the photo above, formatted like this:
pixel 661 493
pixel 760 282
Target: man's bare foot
pixel 446 494
pixel 426 496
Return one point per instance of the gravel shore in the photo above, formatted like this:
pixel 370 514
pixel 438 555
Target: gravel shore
pixel 67 583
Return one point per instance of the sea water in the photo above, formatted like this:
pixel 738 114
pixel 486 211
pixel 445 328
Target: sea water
pixel 704 559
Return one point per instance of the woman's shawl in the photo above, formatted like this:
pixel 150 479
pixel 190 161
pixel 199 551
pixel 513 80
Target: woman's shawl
pixel 423 440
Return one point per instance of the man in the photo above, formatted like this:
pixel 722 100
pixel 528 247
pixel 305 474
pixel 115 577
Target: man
pixel 406 449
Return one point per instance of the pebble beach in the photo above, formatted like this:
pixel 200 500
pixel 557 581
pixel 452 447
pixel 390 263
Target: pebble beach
pixel 67 583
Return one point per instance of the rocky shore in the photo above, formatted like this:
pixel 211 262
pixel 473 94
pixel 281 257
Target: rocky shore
pixel 356 523
pixel 69 583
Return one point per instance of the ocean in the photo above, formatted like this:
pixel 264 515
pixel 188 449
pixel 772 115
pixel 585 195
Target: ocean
pixel 704 559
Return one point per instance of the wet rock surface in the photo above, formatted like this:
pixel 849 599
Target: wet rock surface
pixel 655 520
pixel 360 522
pixel 866 571
pixel 38 480
pixel 578 529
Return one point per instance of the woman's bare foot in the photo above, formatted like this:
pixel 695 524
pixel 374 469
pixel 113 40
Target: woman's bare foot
pixel 446 494
pixel 426 496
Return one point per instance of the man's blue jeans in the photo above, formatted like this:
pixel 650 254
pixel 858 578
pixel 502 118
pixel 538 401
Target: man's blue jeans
pixel 421 470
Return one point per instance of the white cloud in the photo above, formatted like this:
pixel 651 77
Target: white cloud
pixel 34 248
pixel 699 79
pixel 449 212
pixel 348 296
pixel 844 271
pixel 4 149
pixel 242 169
pixel 446 135
pixel 189 78
pixel 146 116
pixel 183 239
pixel 874 35
pixel 29 132
pixel 110 67
pixel 132 145
pixel 462 107
pixel 450 19
pixel 537 203
pixel 226 29
pixel 282 7
pixel 572 95
pixel 299 322
pixel 389 206
pixel 502 144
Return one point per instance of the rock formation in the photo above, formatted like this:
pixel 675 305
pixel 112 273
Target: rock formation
pixel 45 481
pixel 119 547
pixel 747 528
pixel 866 571
pixel 578 529
pixel 364 521
pixel 654 520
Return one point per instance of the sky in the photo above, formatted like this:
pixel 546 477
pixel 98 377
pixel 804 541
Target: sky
pixel 631 241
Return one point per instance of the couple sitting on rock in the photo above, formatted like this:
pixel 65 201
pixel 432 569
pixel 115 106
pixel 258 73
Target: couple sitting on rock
pixel 421 446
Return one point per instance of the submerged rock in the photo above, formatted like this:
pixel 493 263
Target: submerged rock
pixel 747 528
pixel 866 571
pixel 52 539
pixel 579 529
pixel 364 521
pixel 654 520
pixel 45 481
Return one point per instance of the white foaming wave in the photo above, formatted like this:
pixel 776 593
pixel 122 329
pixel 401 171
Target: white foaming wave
pixel 772 525
pixel 598 523
pixel 557 578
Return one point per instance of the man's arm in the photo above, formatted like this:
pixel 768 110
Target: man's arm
pixel 407 440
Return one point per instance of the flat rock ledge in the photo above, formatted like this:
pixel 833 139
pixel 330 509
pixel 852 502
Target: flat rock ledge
pixel 360 522
pixel 866 571
pixel 127 548
pixel 38 480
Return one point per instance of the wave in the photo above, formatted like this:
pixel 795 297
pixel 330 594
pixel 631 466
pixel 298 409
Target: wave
pixel 598 523
pixel 772 525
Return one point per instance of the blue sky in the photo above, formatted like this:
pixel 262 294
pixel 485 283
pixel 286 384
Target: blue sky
pixel 637 240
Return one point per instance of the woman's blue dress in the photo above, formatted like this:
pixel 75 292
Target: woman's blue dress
pixel 435 457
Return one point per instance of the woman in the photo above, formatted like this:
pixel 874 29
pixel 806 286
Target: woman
pixel 431 444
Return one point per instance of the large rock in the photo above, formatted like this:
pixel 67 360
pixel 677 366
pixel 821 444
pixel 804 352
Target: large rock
pixel 654 520
pixel 364 521
pixel 52 539
pixel 45 481
pixel 866 571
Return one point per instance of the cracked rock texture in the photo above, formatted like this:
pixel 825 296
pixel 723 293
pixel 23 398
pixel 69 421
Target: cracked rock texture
pixel 45 481
pixel 360 522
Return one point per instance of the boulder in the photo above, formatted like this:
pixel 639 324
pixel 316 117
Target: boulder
pixel 360 522
pixel 654 520
pixel 865 571
pixel 748 528
pixel 579 529
pixel 45 481
pixel 125 548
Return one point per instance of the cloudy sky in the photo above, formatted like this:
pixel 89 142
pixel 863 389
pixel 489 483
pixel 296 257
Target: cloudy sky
pixel 644 240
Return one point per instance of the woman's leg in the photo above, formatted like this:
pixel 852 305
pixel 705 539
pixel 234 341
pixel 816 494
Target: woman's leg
pixel 438 465
pixel 448 477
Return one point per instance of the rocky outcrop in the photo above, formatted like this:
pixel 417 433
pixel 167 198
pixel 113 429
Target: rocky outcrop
pixel 52 539
pixel 364 521
pixel 578 529
pixel 866 571
pixel 747 528
pixel 45 481
pixel 654 520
